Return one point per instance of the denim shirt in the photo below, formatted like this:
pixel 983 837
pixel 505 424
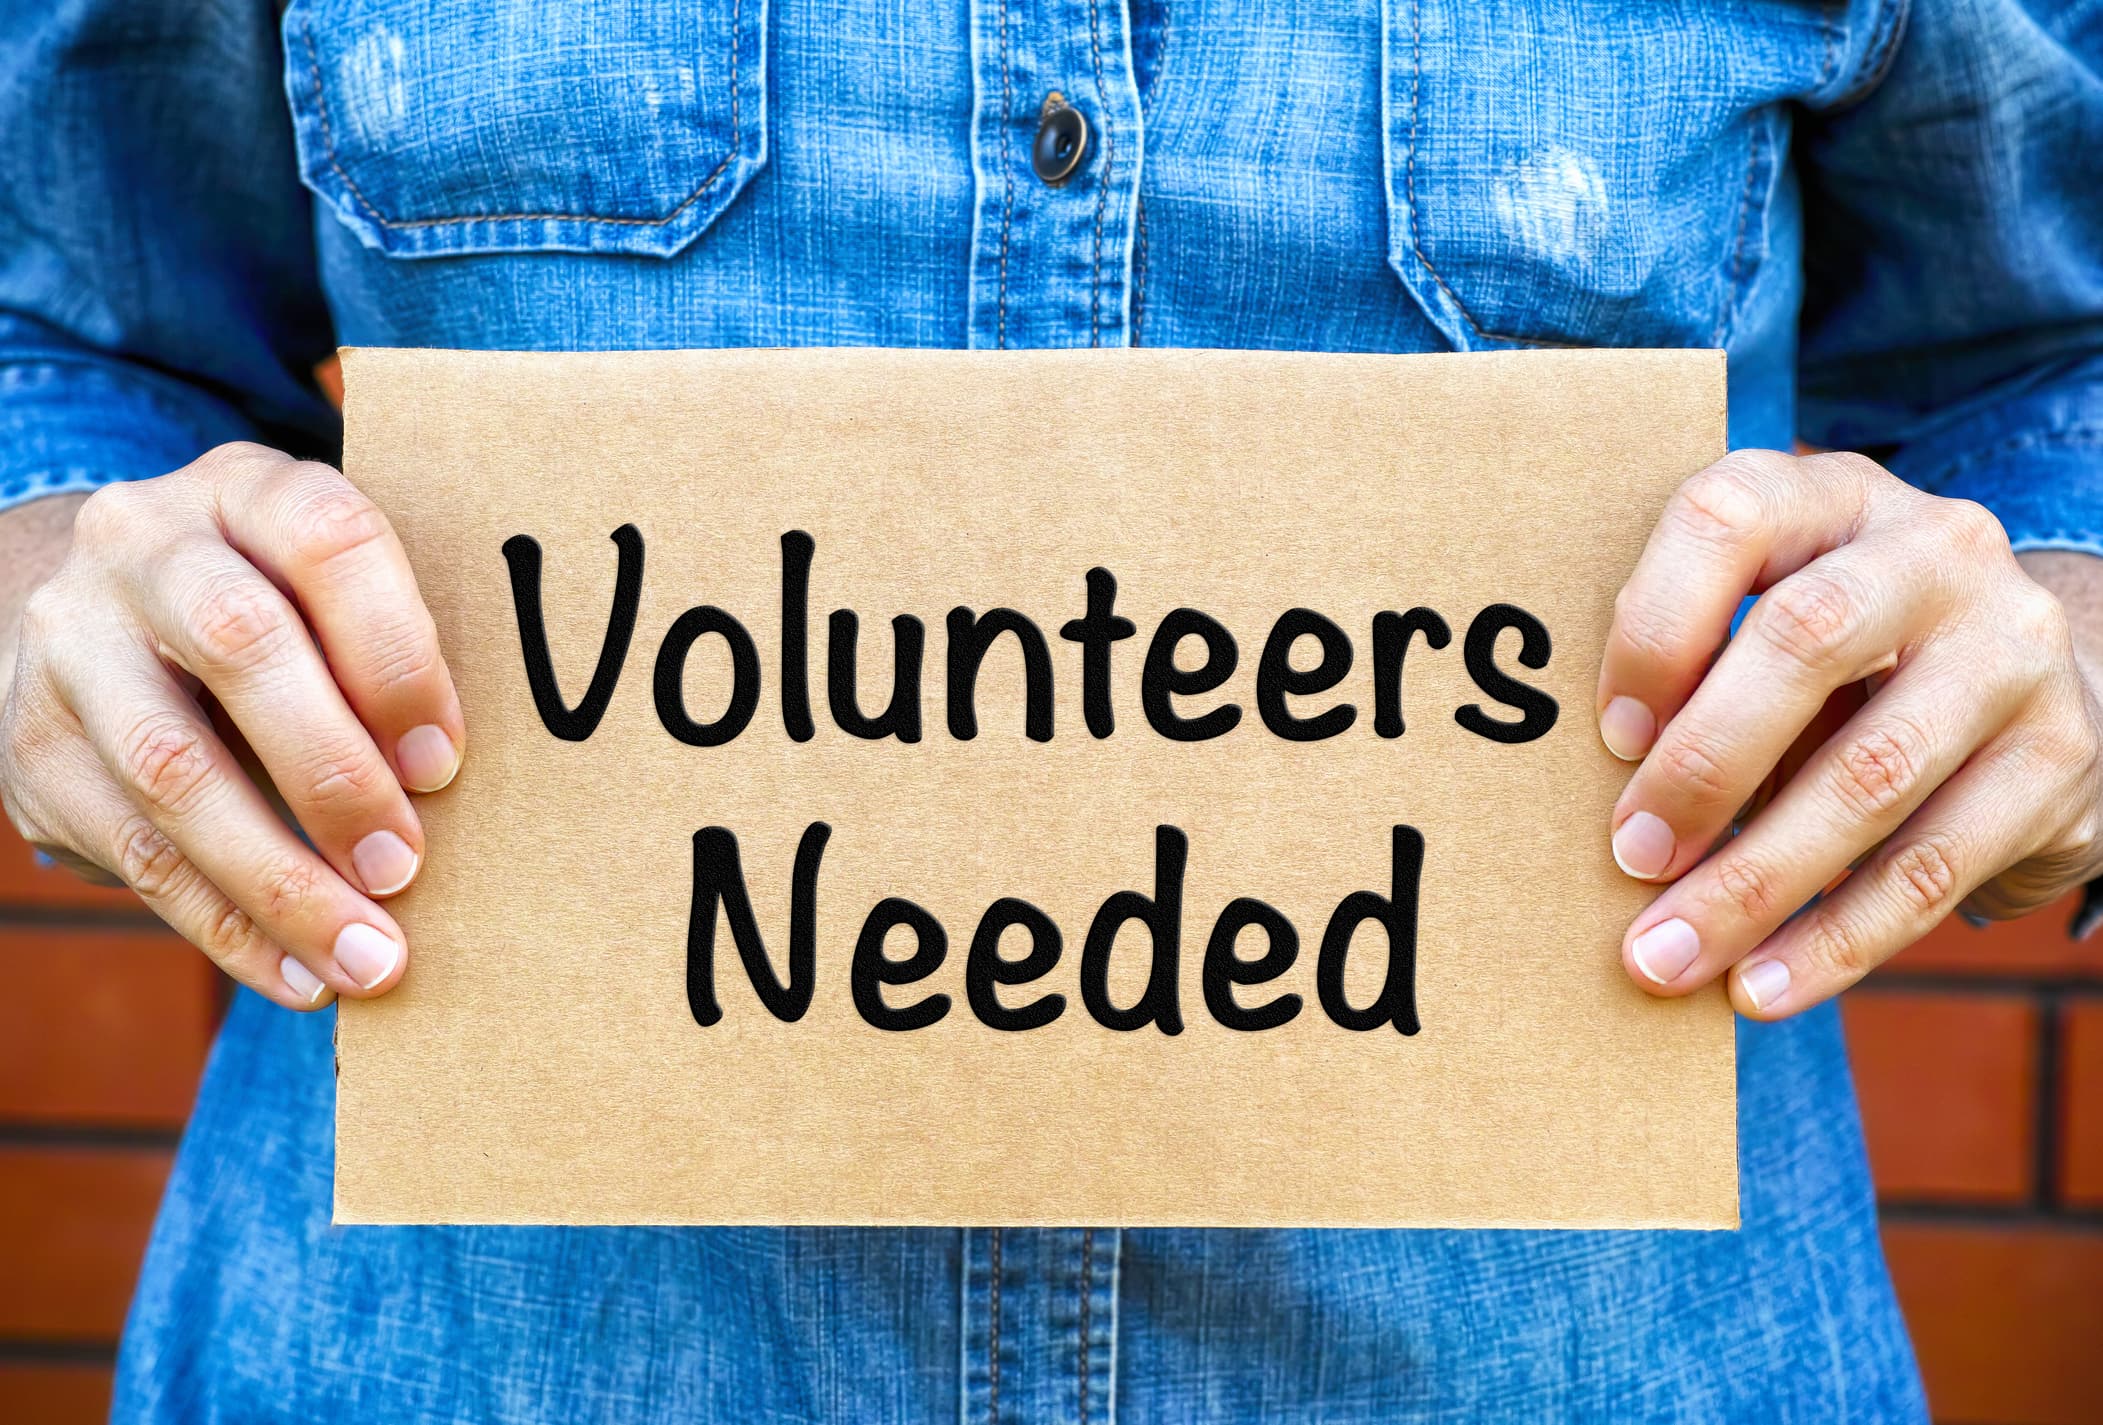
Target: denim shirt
pixel 1890 221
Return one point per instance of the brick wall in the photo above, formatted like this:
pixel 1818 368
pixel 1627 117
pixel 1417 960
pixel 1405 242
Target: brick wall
pixel 1979 1054
pixel 105 1018
pixel 1979 1059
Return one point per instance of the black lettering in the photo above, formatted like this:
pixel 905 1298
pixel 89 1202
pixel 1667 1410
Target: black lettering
pixel 969 637
pixel 1396 1003
pixel 669 684
pixel 1391 635
pixel 1537 709
pixel 522 554
pixel 718 876
pixel 984 969
pixel 902 717
pixel 1162 915
pixel 796 551
pixel 1277 679
pixel 1224 969
pixel 1162 680
pixel 1096 632
pixel 873 970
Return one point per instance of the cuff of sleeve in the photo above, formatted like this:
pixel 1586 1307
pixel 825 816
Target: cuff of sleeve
pixel 2035 459
pixel 70 424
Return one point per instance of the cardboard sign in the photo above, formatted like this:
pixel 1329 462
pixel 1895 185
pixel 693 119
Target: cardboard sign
pixel 1062 787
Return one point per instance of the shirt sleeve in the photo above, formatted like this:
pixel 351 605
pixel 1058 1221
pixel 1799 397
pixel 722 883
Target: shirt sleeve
pixel 1953 213
pixel 157 285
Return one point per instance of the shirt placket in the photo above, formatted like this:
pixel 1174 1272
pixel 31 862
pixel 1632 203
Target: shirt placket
pixel 1040 1325
pixel 1051 261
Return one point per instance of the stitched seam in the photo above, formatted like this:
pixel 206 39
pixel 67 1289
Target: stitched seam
pixel 1409 176
pixel 1139 271
pixel 1102 189
pixel 1831 25
pixel 328 140
pixel 1087 1291
pixel 993 1338
pixel 1755 146
pixel 1144 267
pixel 1007 180
pixel 1876 59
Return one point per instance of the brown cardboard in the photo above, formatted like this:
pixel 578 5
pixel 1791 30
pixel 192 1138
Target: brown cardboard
pixel 540 1063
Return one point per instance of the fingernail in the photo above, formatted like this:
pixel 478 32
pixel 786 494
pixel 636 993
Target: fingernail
pixel 1764 983
pixel 1643 846
pixel 384 863
pixel 1664 951
pixel 1627 728
pixel 427 758
pixel 366 954
pixel 301 980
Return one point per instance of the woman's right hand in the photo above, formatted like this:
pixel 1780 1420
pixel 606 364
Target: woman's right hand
pixel 270 588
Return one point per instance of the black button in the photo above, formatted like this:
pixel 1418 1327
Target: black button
pixel 1062 141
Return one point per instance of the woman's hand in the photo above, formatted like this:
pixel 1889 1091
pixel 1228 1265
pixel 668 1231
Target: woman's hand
pixel 1909 694
pixel 267 596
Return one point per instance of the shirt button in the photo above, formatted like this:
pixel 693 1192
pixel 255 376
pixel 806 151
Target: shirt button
pixel 1062 140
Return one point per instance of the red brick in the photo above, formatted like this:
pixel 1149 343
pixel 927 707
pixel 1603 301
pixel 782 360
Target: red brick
pixel 1947 1090
pixel 105 1027
pixel 56 1394
pixel 73 1226
pixel 23 881
pixel 2081 1103
pixel 2005 1322
pixel 2035 946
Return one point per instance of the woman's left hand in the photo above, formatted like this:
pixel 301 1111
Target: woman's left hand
pixel 1967 764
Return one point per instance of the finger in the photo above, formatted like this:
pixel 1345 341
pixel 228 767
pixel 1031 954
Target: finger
pixel 1857 789
pixel 82 818
pixel 322 540
pixel 1751 518
pixel 1969 830
pixel 221 621
pixel 1832 623
pixel 158 748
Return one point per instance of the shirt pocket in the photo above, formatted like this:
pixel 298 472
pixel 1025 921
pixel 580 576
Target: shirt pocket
pixel 490 126
pixel 1591 172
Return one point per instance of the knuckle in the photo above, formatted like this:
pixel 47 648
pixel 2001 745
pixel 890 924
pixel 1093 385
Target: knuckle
pixel 227 459
pixel 1725 503
pixel 330 520
pixel 1692 769
pixel 1925 877
pixel 1880 771
pixel 238 626
pixel 344 780
pixel 2064 744
pixel 2039 621
pixel 1807 618
pixel 109 513
pixel 1854 465
pixel 165 759
pixel 1651 632
pixel 231 935
pixel 1748 887
pixel 399 662
pixel 1837 947
pixel 43 614
pixel 286 888
pixel 147 861
pixel 1971 527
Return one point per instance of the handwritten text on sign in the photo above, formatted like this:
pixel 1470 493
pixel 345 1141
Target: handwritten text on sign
pixel 1165 682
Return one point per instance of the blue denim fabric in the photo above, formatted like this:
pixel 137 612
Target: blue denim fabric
pixel 1890 221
